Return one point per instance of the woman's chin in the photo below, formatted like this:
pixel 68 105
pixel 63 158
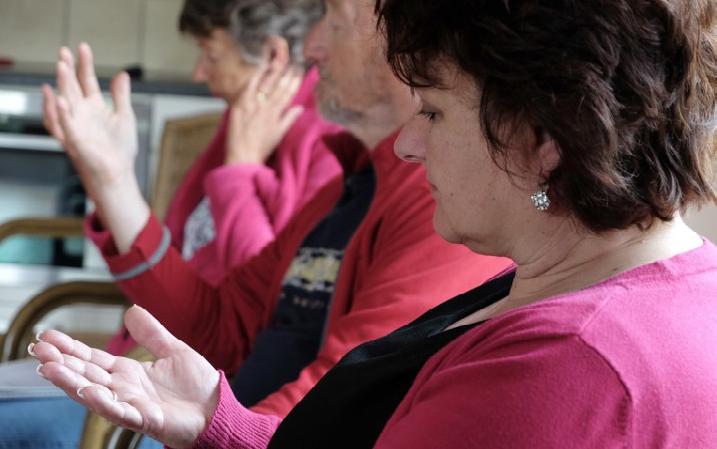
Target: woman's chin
pixel 445 230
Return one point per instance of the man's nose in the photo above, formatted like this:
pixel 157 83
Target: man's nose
pixel 315 42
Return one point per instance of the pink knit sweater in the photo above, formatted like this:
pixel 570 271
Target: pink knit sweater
pixel 628 363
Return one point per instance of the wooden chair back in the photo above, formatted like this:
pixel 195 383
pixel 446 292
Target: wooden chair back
pixel 183 139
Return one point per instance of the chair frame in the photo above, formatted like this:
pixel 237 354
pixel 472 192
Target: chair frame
pixel 47 227
pixel 19 334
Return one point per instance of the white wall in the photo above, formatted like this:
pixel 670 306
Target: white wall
pixel 122 32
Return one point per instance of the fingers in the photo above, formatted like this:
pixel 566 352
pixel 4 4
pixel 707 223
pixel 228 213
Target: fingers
pixel 50 116
pixel 88 370
pixel 47 353
pixel 289 85
pixel 97 397
pixel 67 83
pixel 150 334
pixel 289 118
pixel 105 403
pixel 52 342
pixel 121 93
pixel 252 88
pixel 64 378
pixel 89 384
pixel 269 80
pixel 86 71
pixel 128 410
pixel 65 344
pixel 64 115
pixel 274 90
pixel 284 91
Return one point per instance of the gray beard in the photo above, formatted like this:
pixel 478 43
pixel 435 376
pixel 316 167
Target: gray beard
pixel 332 111
pixel 329 106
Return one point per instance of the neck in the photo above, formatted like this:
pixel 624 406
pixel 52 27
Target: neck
pixel 571 259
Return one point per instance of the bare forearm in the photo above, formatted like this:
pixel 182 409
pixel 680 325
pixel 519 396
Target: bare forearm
pixel 123 210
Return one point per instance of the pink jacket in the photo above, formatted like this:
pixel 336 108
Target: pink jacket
pixel 627 363
pixel 250 203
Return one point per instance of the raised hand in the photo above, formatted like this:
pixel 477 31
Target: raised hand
pixel 101 141
pixel 260 117
pixel 171 400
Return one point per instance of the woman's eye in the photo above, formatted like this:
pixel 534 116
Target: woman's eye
pixel 428 115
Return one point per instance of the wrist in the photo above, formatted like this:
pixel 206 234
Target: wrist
pixel 204 416
pixel 244 157
pixel 111 184
pixel 123 211
pixel 210 406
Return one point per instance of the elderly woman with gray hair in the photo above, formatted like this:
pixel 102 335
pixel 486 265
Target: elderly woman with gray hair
pixel 264 162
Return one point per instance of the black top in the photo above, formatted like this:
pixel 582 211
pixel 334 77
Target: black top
pixel 351 404
pixel 293 338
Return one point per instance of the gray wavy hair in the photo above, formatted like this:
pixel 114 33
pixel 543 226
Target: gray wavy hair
pixel 251 22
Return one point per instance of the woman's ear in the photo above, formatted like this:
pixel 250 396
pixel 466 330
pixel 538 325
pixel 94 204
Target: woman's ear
pixel 276 51
pixel 547 151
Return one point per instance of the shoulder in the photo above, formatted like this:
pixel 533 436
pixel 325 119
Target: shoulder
pixel 515 388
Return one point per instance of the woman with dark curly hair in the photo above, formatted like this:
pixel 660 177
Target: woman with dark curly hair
pixel 568 136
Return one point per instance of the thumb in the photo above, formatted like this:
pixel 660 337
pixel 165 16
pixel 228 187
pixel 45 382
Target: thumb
pixel 150 333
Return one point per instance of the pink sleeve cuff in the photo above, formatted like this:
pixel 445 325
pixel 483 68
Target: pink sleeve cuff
pixel 145 246
pixel 235 427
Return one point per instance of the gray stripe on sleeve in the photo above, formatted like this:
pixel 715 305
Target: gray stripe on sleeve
pixel 154 260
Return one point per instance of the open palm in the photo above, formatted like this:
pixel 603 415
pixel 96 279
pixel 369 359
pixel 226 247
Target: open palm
pixel 171 399
pixel 100 140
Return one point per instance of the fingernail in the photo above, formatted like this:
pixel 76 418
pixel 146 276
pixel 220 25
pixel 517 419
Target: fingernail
pixel 79 392
pixel 29 349
pixel 39 373
pixel 37 336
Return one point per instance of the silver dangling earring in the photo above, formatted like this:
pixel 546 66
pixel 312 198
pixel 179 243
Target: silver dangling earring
pixel 540 199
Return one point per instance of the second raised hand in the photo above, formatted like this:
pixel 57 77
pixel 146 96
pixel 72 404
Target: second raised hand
pixel 261 116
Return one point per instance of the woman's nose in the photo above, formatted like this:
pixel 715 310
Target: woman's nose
pixel 410 144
